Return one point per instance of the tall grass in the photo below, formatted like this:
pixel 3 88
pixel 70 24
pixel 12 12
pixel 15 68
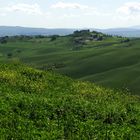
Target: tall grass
pixel 44 105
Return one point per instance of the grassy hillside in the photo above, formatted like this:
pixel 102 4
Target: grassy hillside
pixel 43 105
pixel 111 62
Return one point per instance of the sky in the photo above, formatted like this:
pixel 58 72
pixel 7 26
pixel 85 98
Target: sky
pixel 70 13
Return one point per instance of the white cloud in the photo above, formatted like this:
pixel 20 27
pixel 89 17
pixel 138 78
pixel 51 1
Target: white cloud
pixel 31 9
pixel 3 14
pixel 97 13
pixel 130 8
pixel 64 5
pixel 129 13
pixel 87 10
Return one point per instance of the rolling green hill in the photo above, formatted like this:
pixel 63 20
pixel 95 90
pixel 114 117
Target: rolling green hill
pixel 108 61
pixel 43 105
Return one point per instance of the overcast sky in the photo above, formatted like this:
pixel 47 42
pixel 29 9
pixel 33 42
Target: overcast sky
pixel 70 13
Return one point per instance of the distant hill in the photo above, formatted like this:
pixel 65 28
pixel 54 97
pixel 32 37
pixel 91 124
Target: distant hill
pixel 12 31
pixel 136 27
pixel 127 32
pixel 17 30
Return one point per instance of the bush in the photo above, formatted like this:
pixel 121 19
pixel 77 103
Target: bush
pixel 9 55
pixel 3 40
pixel 54 37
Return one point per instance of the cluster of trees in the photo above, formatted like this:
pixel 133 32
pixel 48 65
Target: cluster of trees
pixel 24 37
pixel 53 66
pixel 81 33
pixel 125 40
pixel 54 37
pixel 20 38
pixel 4 40
pixel 80 37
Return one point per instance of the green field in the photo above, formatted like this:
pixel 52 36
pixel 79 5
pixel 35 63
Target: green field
pixel 110 62
pixel 39 105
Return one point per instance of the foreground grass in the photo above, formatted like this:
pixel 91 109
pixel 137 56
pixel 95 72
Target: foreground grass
pixel 44 105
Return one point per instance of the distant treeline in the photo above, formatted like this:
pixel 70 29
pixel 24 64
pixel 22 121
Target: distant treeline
pixel 5 39
pixel 81 33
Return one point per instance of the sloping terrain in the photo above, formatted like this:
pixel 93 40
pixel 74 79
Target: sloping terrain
pixel 109 61
pixel 43 105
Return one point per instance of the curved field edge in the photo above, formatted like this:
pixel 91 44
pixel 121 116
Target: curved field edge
pixel 110 62
pixel 43 105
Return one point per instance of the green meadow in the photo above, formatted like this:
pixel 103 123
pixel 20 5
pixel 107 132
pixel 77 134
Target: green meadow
pixel 112 62
pixel 83 86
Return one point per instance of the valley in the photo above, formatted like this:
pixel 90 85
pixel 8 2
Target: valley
pixel 109 61
pixel 79 86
